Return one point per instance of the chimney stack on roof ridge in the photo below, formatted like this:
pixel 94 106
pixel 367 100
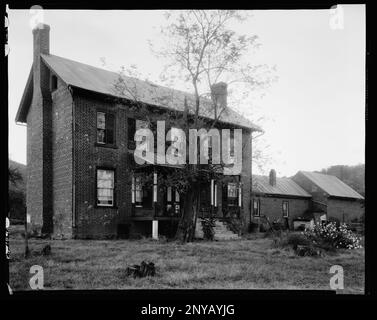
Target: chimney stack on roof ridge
pixel 273 177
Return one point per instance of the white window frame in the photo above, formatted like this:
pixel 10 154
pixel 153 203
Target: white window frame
pixel 102 129
pixel 282 206
pixel 112 204
pixel 257 201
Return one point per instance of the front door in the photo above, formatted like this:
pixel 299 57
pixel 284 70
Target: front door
pixel 173 202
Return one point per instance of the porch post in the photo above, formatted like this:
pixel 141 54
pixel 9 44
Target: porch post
pixel 212 196
pixel 240 195
pixel 155 229
pixel 215 194
pixel 154 187
pixel 212 183
pixel 155 221
pixel 215 201
pixel 133 194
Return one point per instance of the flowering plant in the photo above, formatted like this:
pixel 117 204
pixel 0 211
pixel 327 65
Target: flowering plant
pixel 335 236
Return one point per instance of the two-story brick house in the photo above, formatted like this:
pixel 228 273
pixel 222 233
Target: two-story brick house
pixel 81 175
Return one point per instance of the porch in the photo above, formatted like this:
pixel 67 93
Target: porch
pixel 153 202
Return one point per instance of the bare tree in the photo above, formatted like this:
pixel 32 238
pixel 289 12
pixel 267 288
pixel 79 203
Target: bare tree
pixel 201 49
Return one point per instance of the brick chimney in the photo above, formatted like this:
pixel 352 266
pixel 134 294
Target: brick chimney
pixel 39 145
pixel 219 92
pixel 273 177
pixel 41 45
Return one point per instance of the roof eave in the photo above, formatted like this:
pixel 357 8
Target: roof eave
pixel 281 195
pixel 257 128
pixel 346 198
pixel 25 100
pixel 124 99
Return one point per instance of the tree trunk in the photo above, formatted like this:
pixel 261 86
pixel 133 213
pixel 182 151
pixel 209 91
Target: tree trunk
pixel 186 225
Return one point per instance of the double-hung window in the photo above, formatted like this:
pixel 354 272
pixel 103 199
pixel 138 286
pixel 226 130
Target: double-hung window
pixel 256 207
pixel 105 128
pixel 105 187
pixel 285 209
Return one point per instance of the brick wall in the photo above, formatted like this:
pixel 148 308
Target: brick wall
pixel 99 222
pixel 90 220
pixel 34 186
pixel 39 162
pixel 62 161
pixel 344 210
pixel 272 208
pixel 246 179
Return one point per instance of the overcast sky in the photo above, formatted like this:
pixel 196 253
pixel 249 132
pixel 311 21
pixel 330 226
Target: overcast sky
pixel 315 112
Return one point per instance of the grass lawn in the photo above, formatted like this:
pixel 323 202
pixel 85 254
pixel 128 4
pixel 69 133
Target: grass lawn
pixel 244 264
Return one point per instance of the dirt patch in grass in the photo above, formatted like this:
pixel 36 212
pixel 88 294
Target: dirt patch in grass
pixel 246 264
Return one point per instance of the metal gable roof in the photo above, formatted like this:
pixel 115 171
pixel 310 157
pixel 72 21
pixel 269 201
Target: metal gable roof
pixel 284 186
pixel 99 80
pixel 332 185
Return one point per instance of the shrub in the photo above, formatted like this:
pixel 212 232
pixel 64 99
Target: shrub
pixel 334 220
pixel 295 239
pixel 283 239
pixel 278 226
pixel 235 225
pixel 17 205
pixel 272 233
pixel 331 235
pixel 208 225
pixel 301 228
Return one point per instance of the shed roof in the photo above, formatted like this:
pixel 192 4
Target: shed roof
pixel 87 77
pixel 331 185
pixel 284 186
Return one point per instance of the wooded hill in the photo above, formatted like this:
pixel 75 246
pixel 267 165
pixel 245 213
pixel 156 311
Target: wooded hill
pixel 354 176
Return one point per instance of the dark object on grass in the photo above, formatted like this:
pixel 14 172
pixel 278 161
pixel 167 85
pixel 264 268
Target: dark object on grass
pixel 46 251
pixel 142 270
pixel 307 251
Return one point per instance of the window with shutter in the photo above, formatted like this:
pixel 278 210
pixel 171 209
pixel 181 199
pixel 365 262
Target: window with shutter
pixel 110 127
pixel 131 124
pixel 105 128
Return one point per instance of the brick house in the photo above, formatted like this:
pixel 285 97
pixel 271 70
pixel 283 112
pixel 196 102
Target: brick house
pixel 280 199
pixel 82 181
pixel 331 196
